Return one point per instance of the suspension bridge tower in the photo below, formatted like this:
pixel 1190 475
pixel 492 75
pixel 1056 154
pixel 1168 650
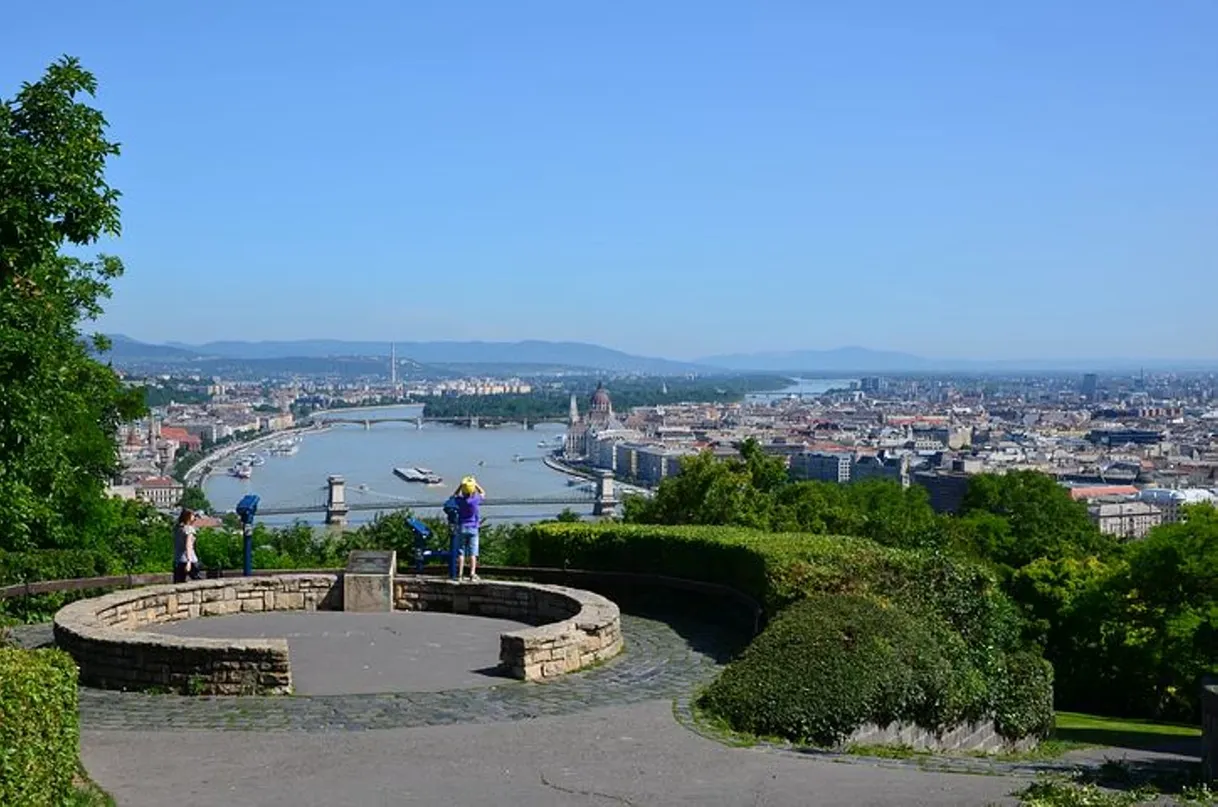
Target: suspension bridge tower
pixel 336 501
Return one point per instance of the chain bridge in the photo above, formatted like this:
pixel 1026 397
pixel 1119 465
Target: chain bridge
pixel 334 501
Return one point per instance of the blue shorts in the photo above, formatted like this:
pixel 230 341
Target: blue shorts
pixel 467 542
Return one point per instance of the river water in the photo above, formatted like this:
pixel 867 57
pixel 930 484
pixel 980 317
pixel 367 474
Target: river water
pixel 801 388
pixel 506 461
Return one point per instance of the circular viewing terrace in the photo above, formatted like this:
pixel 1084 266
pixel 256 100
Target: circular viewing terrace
pixel 262 639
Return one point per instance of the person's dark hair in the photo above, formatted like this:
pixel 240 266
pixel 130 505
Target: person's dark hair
pixel 186 516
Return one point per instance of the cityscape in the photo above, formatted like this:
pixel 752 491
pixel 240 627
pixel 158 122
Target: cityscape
pixel 646 404
pixel 1136 449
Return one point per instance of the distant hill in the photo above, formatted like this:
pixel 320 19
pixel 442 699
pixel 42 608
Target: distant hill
pixel 124 349
pixel 863 360
pixel 840 360
pixel 535 353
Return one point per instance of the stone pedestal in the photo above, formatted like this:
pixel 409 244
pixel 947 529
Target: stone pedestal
pixel 368 582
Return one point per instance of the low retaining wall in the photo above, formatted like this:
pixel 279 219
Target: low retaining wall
pixel 980 737
pixel 583 628
pixel 100 634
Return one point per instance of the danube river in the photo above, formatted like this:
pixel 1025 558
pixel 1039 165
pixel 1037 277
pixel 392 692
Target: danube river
pixel 507 462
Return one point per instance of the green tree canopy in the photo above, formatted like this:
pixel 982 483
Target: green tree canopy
pixel 193 498
pixel 59 408
pixel 1039 520
pixel 754 490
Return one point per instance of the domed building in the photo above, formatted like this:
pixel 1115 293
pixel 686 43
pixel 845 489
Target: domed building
pixel 582 433
pixel 601 406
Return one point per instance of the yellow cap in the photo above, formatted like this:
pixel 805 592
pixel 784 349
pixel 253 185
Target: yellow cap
pixel 469 484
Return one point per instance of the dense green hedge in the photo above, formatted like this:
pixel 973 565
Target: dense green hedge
pixel 953 605
pixel 53 564
pixel 39 728
pixel 833 662
pixel 778 568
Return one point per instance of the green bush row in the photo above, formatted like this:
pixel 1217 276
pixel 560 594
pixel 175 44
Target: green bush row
pixel 53 564
pixel 778 568
pixel 39 727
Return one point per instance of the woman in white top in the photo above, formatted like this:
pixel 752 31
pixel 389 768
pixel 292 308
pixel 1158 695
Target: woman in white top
pixel 185 561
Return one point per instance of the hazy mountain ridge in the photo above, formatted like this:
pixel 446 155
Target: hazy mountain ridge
pixel 455 356
pixel 865 360
pixel 535 353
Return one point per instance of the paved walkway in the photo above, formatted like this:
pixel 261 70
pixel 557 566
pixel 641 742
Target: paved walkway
pixel 633 755
pixel 602 737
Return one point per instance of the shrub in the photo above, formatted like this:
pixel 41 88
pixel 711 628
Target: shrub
pixel 830 663
pixel 39 728
pixel 52 564
pixel 1023 703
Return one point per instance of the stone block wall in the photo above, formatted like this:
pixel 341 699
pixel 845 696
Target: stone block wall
pixel 979 737
pixel 101 635
pixel 573 628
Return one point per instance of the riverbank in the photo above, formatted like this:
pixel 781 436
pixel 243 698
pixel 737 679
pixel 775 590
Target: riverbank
pixel 198 473
pixel 555 464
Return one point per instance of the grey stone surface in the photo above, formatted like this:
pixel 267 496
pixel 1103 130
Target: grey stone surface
pixel 367 593
pixel 341 653
pixel 573 628
pixel 662 660
pixel 624 755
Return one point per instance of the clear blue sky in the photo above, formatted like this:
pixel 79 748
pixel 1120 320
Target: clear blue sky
pixel 947 177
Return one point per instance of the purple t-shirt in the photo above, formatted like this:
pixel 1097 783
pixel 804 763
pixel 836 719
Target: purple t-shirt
pixel 468 511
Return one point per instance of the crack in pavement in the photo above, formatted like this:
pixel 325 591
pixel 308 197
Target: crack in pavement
pixel 577 792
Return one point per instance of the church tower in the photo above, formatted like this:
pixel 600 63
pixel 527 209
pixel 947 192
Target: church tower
pixel 574 445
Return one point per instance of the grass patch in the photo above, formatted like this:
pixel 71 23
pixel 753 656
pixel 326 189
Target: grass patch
pixel 886 751
pixel 1143 735
pixel 1058 792
pixel 86 793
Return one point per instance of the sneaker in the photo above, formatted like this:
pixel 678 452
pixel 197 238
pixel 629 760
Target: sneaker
pixel 473 578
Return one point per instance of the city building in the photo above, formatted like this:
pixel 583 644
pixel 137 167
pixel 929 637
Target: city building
pixel 599 425
pixel 822 466
pixel 869 466
pixel 1090 387
pixel 1171 502
pixel 1125 519
pixel 946 489
pixel 161 491
pixel 1090 492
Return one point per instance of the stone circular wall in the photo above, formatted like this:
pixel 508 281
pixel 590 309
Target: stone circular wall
pixel 571 629
pixel 100 634
pixel 574 628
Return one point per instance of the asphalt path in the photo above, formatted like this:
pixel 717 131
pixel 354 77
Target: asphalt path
pixel 630 755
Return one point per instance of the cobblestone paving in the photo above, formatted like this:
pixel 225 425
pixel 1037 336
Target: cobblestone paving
pixel 663 660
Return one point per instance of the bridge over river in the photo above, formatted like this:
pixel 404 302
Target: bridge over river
pixel 331 416
pixel 334 503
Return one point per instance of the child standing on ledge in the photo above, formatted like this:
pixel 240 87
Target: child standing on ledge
pixel 469 497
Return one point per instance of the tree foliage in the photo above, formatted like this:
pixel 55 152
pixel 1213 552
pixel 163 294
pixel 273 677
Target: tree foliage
pixel 193 498
pixel 753 490
pixel 59 409
pixel 1025 515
